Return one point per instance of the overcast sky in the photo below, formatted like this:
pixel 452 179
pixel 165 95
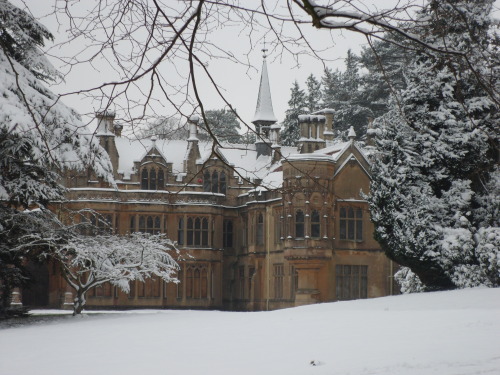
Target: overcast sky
pixel 240 82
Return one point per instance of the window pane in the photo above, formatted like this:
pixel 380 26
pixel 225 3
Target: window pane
pixel 132 224
pixel 223 183
pixel 215 182
pixel 161 179
pixel 180 232
pixel 206 181
pixel 144 179
pixel 343 229
pixel 150 224
pixel 350 230
pixel 152 179
pixel 299 224
pixel 343 212
pixel 359 230
pixel 157 226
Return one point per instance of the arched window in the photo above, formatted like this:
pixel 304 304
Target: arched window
pixel 152 179
pixel 223 183
pixel 207 185
pixel 299 224
pixel 180 232
pixel 144 179
pixel 161 179
pixel 215 182
pixel 315 225
pixel 260 230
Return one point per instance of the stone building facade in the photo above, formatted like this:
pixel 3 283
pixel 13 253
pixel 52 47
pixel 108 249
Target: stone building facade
pixel 260 226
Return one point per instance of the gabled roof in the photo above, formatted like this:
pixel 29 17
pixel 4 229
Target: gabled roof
pixel 173 152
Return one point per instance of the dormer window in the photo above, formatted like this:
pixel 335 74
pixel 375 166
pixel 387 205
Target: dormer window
pixel 152 179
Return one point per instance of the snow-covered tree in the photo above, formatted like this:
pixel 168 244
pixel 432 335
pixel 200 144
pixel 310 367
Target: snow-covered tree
pixel 224 125
pixel 297 105
pixel 434 196
pixel 90 261
pixel 39 136
pixel 385 63
pixel 341 93
pixel 313 96
pixel 330 86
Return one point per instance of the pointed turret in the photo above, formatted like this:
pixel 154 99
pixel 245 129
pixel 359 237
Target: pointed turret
pixel 264 114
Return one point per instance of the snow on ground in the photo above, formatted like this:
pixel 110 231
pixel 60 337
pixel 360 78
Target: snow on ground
pixel 441 333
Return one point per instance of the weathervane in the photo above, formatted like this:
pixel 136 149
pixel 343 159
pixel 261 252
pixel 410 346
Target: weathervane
pixel 264 50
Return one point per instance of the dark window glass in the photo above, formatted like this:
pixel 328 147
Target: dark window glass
pixel 260 230
pixel 142 224
pixel 157 226
pixel 180 232
pixel 204 232
pixel 152 179
pixel 223 183
pixel 161 179
pixel 215 182
pixel 299 224
pixel 315 224
pixel 149 228
pixel 144 179
pixel 190 232
pixel 227 235
pixel 207 185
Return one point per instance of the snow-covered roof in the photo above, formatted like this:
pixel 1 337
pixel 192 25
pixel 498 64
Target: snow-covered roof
pixel 247 164
pixel 264 110
pixel 173 151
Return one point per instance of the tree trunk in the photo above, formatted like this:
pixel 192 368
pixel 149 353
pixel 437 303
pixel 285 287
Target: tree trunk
pixel 79 302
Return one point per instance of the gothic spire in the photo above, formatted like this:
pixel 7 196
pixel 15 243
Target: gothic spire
pixel 264 114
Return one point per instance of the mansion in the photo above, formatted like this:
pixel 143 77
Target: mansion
pixel 259 227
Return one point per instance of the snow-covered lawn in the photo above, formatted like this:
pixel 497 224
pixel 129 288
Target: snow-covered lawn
pixel 441 333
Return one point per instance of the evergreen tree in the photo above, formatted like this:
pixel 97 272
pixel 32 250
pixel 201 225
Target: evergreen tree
pixel 330 86
pixel 224 125
pixel 386 63
pixel 434 195
pixel 313 94
pixel 39 137
pixel 341 93
pixel 297 105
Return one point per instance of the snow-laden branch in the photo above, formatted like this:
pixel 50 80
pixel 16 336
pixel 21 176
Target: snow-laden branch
pixel 90 261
